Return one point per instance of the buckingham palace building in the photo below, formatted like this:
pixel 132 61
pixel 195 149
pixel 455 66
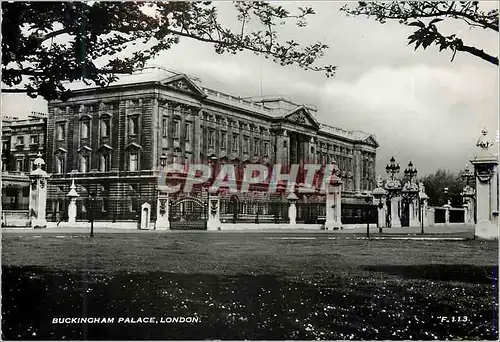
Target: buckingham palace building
pixel 110 140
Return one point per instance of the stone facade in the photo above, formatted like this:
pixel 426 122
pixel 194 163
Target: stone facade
pixel 110 139
pixel 21 142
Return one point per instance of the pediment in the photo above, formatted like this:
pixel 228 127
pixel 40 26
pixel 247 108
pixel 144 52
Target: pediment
pixel 134 146
pixel 183 84
pixel 84 149
pixel 371 141
pixel 301 116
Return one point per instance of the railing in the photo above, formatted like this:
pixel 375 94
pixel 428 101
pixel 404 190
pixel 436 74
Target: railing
pixel 235 100
pixel 358 213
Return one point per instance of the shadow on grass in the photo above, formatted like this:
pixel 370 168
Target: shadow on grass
pixel 238 306
pixel 439 272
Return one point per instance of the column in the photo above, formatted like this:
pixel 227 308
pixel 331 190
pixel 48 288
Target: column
pixel 395 221
pixel 447 207
pixel 357 171
pixel 414 207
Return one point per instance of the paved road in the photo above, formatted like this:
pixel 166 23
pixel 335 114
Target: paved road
pixel 462 231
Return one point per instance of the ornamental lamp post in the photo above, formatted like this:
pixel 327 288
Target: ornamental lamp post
pixel 410 172
pixel 446 195
pixel 369 200
pixel 392 169
pixel 91 202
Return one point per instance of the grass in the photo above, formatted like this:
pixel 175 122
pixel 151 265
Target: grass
pixel 248 286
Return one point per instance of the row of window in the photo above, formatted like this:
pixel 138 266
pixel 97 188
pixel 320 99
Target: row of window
pixel 105 127
pixel 33 140
pixel 84 163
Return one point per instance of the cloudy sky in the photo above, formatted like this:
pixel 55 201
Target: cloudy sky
pixel 420 106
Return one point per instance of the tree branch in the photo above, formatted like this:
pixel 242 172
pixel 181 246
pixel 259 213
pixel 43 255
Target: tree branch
pixel 14 90
pixel 478 53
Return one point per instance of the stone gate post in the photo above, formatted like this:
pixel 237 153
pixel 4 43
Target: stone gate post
pixel 38 194
pixel 292 208
pixel 162 211
pixel 486 171
pixel 213 222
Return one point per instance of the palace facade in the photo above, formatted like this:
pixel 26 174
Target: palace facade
pixel 109 140
pixel 22 140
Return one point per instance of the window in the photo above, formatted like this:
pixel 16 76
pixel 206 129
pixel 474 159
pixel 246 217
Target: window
pixel 223 137
pixel 133 161
pixel 266 148
pixel 84 129
pixel 256 146
pixel 61 128
pixel 19 165
pixel 84 164
pixel 245 145
pixel 59 164
pixel 133 125
pixel 105 165
pixel 211 138
pixel 176 129
pixel 234 143
pixel 20 140
pixel 187 132
pixel 34 139
pixel 165 126
pixel 32 164
pixel 105 124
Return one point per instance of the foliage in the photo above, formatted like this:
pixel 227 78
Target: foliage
pixel 47 43
pixel 435 184
pixel 413 13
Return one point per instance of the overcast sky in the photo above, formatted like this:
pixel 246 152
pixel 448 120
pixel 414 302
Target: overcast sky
pixel 419 105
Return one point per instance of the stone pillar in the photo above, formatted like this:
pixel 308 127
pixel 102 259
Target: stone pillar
pixel 447 207
pixel 395 203
pixel 414 207
pixel 73 195
pixel 213 222
pixel 292 209
pixel 162 211
pixel 431 217
pixel 486 168
pixel 38 194
pixel 379 195
pixel 357 171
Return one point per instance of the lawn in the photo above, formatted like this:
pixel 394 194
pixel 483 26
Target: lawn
pixel 248 286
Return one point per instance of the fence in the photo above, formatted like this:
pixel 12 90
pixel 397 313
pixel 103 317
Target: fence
pixel 359 213
pixel 437 215
pixel 240 211
pixel 103 209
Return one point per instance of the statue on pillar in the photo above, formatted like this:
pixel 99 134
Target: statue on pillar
pixel 486 171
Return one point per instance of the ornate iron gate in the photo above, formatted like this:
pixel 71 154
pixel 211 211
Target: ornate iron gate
pixel 188 212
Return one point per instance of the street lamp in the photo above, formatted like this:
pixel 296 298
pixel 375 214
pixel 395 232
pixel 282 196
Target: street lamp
pixel 163 160
pixel 392 169
pixel 410 172
pixel 91 205
pixel 446 195
pixel 467 174
pixel 369 200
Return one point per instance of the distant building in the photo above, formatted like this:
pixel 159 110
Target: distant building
pixel 110 139
pixel 22 140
